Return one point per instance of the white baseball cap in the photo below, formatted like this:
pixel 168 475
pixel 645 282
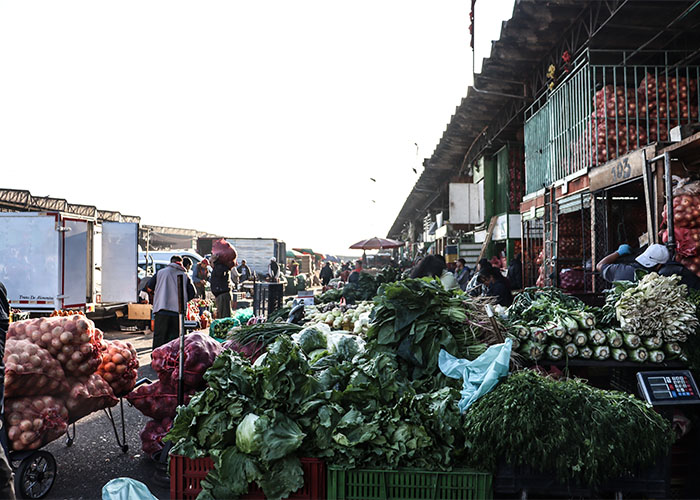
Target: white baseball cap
pixel 654 255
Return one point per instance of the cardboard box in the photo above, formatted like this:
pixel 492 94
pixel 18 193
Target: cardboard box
pixel 140 311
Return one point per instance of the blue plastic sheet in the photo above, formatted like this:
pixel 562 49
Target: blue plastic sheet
pixel 480 375
pixel 125 488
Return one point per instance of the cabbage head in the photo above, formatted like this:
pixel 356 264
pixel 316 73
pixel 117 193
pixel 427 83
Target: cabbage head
pixel 247 439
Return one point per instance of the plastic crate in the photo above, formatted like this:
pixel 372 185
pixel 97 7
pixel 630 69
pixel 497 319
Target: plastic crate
pixel 416 484
pixel 186 475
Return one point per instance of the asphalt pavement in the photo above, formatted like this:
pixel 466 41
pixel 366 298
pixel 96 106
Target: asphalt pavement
pixel 94 458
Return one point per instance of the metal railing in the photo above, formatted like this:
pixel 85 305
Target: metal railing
pixel 611 103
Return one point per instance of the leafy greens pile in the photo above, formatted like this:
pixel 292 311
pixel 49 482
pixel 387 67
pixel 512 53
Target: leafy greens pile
pixel 364 289
pixel 356 408
pixel 657 306
pixel 537 306
pixel 415 318
pixel 565 428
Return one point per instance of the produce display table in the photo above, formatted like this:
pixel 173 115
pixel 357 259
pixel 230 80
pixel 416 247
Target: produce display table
pixel 592 363
pixel 610 374
pixel 652 483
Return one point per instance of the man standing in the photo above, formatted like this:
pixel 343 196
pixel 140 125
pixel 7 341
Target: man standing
pixel 7 488
pixel 515 273
pixel 326 274
pixel 163 284
pixel 273 270
pixel 244 271
pixel 221 288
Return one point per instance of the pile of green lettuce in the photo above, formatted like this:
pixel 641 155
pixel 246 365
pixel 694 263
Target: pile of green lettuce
pixel 255 421
pixel 378 401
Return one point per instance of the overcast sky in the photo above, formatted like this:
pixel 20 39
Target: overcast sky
pixel 245 119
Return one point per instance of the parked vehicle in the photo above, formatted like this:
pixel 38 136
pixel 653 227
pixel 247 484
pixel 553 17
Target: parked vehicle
pixel 152 262
pixel 55 260
pixel 257 252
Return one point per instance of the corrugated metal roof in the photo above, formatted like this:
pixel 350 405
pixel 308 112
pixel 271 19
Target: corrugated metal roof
pixel 527 40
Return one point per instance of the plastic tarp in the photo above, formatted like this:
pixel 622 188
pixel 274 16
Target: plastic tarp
pixel 124 488
pixel 480 375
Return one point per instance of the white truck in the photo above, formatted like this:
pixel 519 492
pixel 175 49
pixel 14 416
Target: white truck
pixel 54 260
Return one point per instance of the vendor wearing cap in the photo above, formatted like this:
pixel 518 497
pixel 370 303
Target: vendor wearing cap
pixel 655 258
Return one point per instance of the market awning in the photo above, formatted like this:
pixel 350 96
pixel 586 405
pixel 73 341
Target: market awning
pixel 306 251
pixel 293 254
pixel 376 244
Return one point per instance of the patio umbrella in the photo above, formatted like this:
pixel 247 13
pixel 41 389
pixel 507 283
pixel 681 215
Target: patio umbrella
pixel 377 244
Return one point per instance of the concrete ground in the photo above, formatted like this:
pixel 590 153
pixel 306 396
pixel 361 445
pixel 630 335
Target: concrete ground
pixel 94 457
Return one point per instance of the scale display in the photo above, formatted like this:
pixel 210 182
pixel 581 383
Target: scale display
pixel 672 387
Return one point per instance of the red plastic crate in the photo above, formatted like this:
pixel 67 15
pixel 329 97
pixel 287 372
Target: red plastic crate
pixel 186 475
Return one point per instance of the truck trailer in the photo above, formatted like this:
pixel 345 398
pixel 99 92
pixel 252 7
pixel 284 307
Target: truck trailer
pixel 55 260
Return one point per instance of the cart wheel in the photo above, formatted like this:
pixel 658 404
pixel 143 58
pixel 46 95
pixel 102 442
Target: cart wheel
pixel 35 475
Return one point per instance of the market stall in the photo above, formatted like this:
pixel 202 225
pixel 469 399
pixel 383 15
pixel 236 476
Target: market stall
pixel 360 394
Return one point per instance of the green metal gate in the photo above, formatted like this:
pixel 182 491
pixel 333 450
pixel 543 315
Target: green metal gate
pixel 611 103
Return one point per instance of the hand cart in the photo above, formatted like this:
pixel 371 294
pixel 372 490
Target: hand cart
pixel 35 470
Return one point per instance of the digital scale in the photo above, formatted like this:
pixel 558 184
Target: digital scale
pixel 667 388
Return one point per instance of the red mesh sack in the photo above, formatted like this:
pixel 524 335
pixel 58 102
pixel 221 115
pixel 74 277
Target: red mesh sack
pixel 119 366
pixel 30 370
pixel 34 421
pixel 152 435
pixel 686 211
pixel 72 340
pixel 200 352
pixel 224 252
pixel 88 395
pixel 157 400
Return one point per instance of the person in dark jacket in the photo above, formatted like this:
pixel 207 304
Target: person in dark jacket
pixel 656 258
pixel 164 286
pixel 475 287
pixel 515 273
pixel 462 273
pixel 244 271
pixel 221 288
pixel 7 488
pixel 200 277
pixel 496 285
pixel 273 271
pixel 355 275
pixel 326 274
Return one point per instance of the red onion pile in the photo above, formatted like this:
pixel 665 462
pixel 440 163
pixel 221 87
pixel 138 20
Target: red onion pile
pixel 152 435
pixel 686 220
pixel 159 399
pixel 200 352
